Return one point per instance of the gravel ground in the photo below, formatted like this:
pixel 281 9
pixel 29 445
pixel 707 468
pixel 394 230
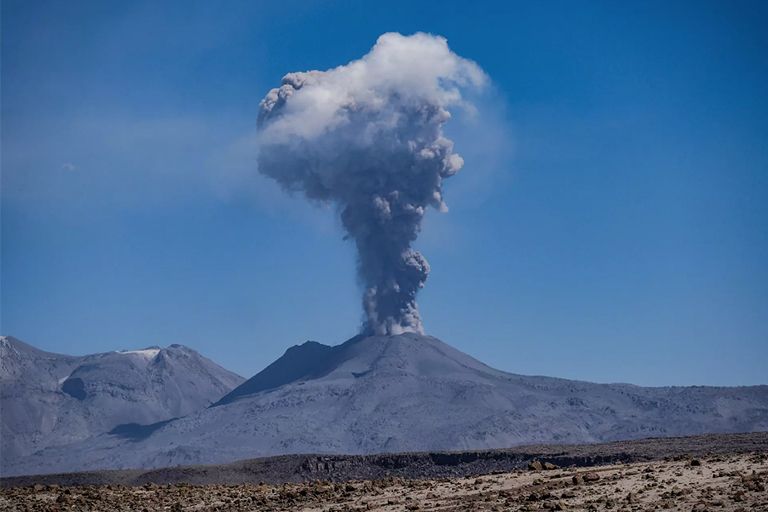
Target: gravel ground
pixel 727 482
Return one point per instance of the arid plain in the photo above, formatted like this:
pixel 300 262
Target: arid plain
pixel 715 481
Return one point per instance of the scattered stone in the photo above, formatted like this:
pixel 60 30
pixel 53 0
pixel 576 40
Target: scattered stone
pixel 701 506
pixel 615 490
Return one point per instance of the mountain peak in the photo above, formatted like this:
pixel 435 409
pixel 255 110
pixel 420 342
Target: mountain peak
pixel 298 362
pixel 52 399
pixel 409 352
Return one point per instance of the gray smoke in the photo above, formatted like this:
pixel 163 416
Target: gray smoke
pixel 367 136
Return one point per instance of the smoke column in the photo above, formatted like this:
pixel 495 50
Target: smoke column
pixel 367 136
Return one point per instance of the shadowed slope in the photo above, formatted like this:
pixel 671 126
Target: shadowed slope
pixel 305 361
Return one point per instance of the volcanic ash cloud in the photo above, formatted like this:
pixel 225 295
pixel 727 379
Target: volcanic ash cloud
pixel 367 136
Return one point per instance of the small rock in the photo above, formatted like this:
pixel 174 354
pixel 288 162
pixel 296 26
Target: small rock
pixel 695 462
pixel 535 466
pixel 591 477
pixel 538 496
pixel 550 466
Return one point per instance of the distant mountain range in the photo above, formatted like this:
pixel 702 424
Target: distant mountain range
pixel 386 394
pixel 51 400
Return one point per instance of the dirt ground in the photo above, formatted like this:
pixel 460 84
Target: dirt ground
pixel 713 482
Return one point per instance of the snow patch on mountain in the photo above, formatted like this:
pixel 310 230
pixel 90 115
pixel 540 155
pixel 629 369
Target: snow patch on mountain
pixel 148 353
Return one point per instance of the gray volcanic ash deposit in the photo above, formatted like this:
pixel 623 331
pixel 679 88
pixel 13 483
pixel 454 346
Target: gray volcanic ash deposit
pixel 406 393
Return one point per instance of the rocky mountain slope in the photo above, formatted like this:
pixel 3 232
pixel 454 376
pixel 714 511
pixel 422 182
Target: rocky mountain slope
pixel 50 400
pixel 406 393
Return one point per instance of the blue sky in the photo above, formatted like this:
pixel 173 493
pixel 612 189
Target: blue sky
pixel 610 222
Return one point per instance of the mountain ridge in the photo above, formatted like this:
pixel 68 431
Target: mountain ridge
pixel 50 399
pixel 299 361
pixel 409 393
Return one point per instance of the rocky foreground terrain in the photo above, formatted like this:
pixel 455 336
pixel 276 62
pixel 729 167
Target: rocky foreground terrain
pixel 727 482
pixel 733 479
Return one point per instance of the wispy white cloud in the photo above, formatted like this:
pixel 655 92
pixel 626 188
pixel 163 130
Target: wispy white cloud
pixel 139 163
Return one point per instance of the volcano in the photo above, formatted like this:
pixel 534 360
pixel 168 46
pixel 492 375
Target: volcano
pixel 408 392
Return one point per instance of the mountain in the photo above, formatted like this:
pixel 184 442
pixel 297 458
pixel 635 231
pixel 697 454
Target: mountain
pixel 50 400
pixel 406 393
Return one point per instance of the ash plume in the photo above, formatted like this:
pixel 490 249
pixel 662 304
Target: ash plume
pixel 368 137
